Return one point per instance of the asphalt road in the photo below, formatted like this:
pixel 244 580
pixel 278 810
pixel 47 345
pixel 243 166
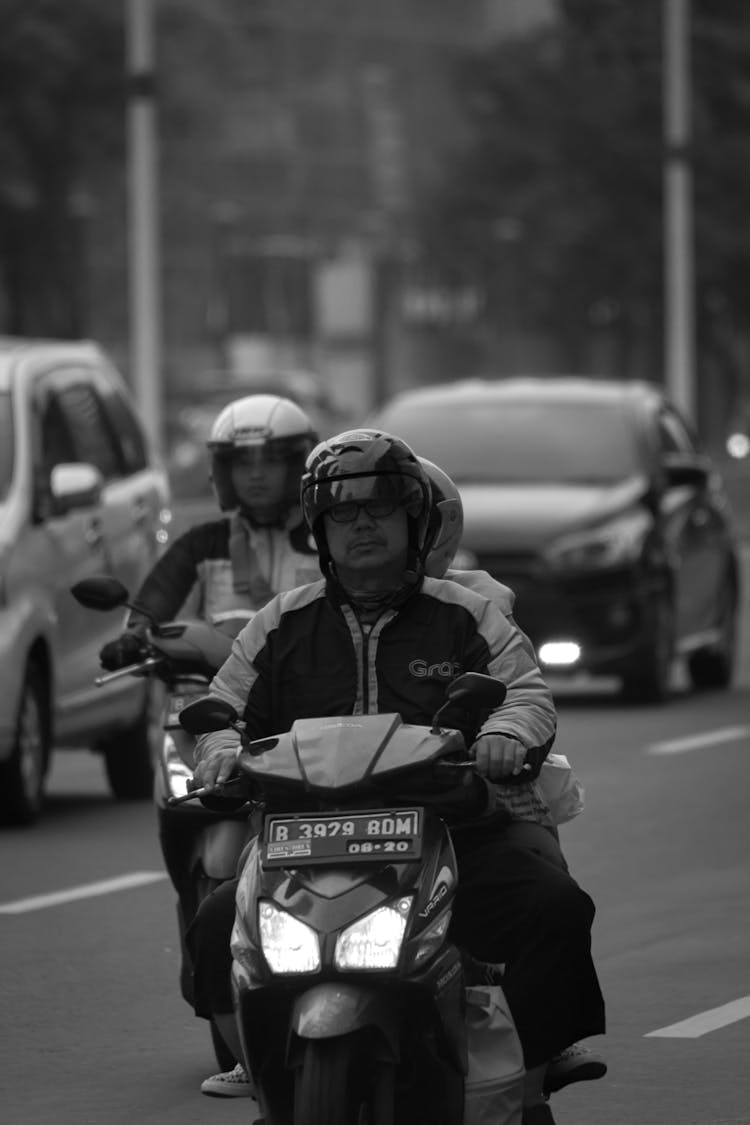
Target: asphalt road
pixel 94 1031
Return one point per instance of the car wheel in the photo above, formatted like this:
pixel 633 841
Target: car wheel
pixel 649 680
pixel 22 776
pixel 713 667
pixel 130 755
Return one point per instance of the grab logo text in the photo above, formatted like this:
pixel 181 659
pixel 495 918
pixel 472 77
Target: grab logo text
pixel 442 670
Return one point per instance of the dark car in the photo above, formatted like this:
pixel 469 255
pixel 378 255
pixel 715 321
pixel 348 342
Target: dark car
pixel 593 501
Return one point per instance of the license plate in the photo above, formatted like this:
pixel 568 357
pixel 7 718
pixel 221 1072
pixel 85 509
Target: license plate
pixel 393 835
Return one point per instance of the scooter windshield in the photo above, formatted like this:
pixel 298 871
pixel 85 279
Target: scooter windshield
pixel 337 752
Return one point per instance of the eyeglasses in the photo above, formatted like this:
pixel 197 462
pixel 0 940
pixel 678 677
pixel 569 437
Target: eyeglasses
pixel 348 510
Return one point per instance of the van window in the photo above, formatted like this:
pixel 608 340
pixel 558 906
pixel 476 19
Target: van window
pixel 90 428
pixel 131 444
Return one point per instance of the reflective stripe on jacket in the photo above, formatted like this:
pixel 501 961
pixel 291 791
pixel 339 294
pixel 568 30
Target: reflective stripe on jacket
pixel 226 565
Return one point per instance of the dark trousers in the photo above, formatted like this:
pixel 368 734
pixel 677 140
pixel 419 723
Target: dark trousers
pixel 514 906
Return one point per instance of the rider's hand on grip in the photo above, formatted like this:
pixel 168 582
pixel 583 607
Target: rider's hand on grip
pixel 128 648
pixel 502 758
pixel 229 797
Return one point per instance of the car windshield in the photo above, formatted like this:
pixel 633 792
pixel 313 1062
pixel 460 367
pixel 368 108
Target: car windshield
pixel 523 442
pixel 6 444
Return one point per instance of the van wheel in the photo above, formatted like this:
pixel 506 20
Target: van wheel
pixel 713 667
pixel 130 755
pixel 22 776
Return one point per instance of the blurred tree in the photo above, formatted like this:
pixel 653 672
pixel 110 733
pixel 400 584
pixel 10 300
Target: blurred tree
pixel 565 145
pixel 61 105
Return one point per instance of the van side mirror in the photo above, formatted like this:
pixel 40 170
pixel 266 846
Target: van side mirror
pixel 74 485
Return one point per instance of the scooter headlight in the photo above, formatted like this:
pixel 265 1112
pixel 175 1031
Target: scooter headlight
pixel 289 946
pixel 374 942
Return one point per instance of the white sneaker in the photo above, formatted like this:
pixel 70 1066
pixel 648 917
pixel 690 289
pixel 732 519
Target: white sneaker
pixel 575 1064
pixel 231 1084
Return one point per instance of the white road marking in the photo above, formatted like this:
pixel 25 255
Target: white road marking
pixel 699 741
pixel 704 1022
pixel 87 890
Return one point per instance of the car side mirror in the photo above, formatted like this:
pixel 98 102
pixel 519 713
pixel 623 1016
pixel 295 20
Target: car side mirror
pixel 475 691
pixel 75 485
pixel 206 715
pixel 684 470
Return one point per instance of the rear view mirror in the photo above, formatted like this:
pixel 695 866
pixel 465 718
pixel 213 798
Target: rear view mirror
pixel 100 592
pixel 206 715
pixel 474 691
pixel 477 690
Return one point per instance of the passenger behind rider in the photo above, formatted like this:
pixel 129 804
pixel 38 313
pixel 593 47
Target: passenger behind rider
pixel 367 500
pixel 228 568
pixel 532 809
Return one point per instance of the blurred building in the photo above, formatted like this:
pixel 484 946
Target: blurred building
pixel 298 143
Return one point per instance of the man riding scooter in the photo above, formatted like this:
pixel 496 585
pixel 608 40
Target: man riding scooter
pixel 358 642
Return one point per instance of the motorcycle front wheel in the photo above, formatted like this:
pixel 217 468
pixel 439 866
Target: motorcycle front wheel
pixel 340 1083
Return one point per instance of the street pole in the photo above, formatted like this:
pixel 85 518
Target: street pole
pixel 143 235
pixel 679 300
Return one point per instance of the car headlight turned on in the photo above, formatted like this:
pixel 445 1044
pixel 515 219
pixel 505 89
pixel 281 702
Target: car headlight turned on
pixel 617 542
pixel 289 946
pixel 374 942
pixel 559 654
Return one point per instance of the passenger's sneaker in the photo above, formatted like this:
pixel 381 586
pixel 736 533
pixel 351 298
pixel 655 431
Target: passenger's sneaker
pixel 575 1064
pixel 231 1084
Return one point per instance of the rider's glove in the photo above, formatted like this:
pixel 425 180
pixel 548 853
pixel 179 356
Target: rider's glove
pixel 129 648
pixel 503 758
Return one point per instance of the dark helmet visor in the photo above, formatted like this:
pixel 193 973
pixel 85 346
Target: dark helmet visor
pixel 392 489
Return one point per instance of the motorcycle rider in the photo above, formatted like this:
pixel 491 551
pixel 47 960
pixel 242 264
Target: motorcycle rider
pixel 225 569
pixel 374 624
pixel 257 446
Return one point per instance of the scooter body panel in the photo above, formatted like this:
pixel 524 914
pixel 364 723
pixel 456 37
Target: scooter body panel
pixel 412 1014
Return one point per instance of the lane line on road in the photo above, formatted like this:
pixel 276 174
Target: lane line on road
pixel 704 1022
pixel 699 741
pixel 86 890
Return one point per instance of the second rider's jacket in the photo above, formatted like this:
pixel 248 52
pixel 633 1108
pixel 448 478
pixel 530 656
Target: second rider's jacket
pixel 217 569
pixel 306 655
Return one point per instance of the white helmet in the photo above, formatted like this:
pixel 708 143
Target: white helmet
pixel 275 424
pixel 446 524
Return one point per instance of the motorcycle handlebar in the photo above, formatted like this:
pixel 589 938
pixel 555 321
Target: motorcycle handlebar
pixel 193 795
pixel 129 670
